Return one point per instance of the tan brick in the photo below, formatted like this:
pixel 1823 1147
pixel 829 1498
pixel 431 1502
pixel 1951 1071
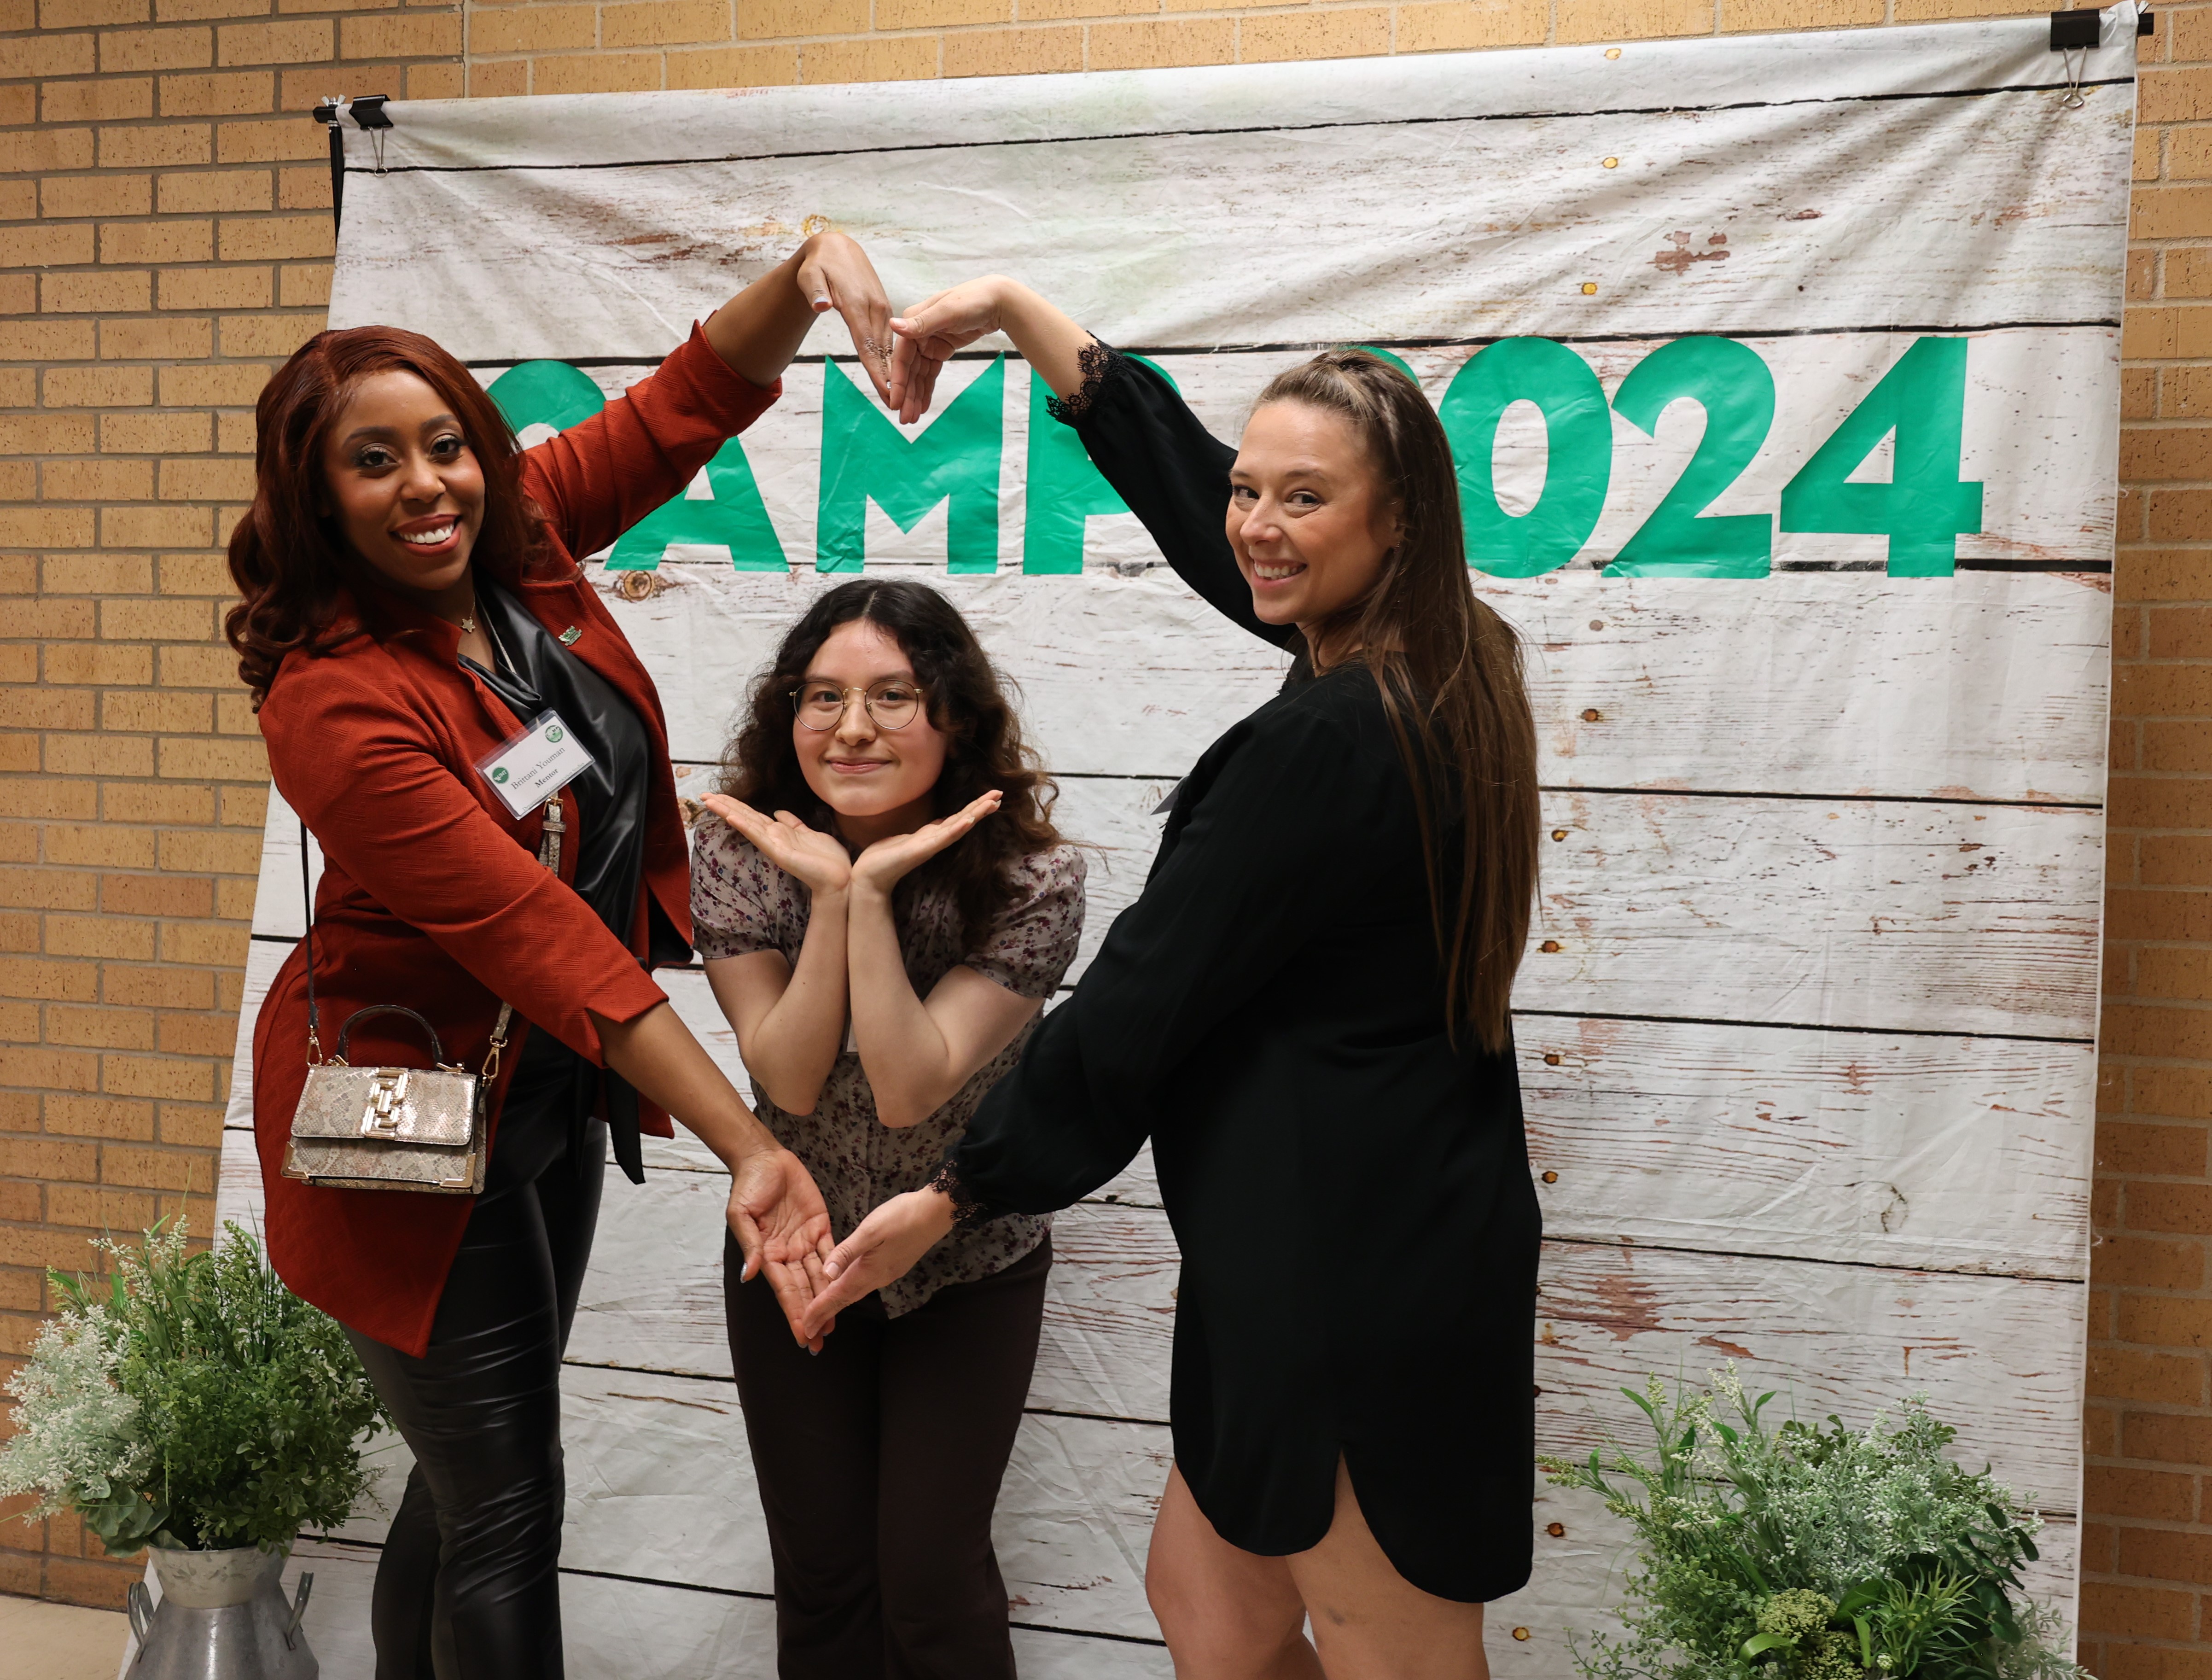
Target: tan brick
pixel 42 1158
pixel 154 434
pixel 2172 96
pixel 673 22
pixel 19 387
pixel 939 14
pixel 124 50
pixel 49 889
pixel 199 667
pixel 95 1028
pixel 510 78
pixel 2170 212
pixel 2165 453
pixel 62 196
pixel 1460 26
pixel 1148 45
pixel 222 385
pixel 2143 1612
pixel 68 982
pixel 767 20
pixel 1630 20
pixel 45 341
pixel 157 242
pixel 89 14
pixel 155 1169
pixel 165 338
pixel 303 187
pixel 302 41
pixel 19 201
pixel 113 101
pixel 47 434
pixel 204 853
pixel 100 663
pixel 154 802
pixel 1351 32
pixel 304 284
pixel 85 294
pixel 38 248
pixel 234 93
pixel 597 73
pixel 41 56
pixel 19 482
pixel 288 139
pixel 100 1209
pixel 216 289
pixel 215 189
pixel 736 67
pixel 198 1127
pixel 46 709
pixel 214 478
pixel 38 150
pixel 435 81
pixel 99 481
pixel 435 36
pixel 165 145
pixel 18 103
pixel 1008 52
pixel 210 574
pixel 215 760
pixel 268 239
pixel 206 943
pixel 151 987
pixel 152 527
pixel 534 29
pixel 178 11
pixel 46 528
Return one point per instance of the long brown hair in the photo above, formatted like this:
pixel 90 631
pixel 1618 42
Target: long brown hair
pixel 288 557
pixel 967 703
pixel 1449 671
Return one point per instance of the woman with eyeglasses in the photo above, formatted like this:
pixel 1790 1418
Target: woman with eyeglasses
pixel 883 909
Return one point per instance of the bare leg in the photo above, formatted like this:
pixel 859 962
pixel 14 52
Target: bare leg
pixel 1228 1614
pixel 1368 1620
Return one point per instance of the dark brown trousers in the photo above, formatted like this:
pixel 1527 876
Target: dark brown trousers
pixel 878 1461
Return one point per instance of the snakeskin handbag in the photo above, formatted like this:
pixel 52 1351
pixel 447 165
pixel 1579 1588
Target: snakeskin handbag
pixel 396 1129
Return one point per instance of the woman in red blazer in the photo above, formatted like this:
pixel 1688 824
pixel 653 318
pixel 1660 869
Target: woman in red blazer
pixel 412 600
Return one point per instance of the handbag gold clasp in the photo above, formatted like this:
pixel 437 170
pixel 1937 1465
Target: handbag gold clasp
pixel 387 1089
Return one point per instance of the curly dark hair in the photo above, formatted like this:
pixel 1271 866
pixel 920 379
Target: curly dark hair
pixel 288 558
pixel 967 703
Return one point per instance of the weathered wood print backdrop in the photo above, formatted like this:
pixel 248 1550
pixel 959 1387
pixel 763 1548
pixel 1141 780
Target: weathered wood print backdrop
pixel 1783 375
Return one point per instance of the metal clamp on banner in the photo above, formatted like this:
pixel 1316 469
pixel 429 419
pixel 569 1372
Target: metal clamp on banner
pixel 368 115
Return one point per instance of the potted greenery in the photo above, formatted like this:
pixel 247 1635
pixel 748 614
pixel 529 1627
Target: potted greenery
pixel 192 1403
pixel 1803 1553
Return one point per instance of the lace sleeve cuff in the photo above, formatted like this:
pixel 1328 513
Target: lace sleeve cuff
pixel 1100 363
pixel 966 1209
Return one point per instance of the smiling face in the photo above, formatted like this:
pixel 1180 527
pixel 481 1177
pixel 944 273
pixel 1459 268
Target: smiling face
pixel 406 489
pixel 1307 517
pixel 876 780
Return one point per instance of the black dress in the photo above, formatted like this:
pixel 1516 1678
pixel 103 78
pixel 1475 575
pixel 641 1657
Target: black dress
pixel 1351 1192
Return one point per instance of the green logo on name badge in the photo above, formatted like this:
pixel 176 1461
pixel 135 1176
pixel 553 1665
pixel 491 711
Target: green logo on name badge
pixel 554 733
pixel 499 775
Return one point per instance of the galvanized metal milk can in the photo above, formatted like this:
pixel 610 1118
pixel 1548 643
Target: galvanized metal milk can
pixel 221 1616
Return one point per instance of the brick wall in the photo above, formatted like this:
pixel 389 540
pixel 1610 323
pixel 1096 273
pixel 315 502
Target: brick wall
pixel 165 237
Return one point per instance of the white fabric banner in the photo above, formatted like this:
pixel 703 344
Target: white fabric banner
pixel 1784 376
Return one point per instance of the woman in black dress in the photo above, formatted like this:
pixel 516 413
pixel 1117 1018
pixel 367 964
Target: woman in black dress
pixel 1306 1012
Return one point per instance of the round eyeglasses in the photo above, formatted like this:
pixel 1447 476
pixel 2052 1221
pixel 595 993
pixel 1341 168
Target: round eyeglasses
pixel 891 704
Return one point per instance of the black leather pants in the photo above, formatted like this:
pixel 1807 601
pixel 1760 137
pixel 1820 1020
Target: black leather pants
pixel 468 1587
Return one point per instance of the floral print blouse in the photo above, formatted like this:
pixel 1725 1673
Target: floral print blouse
pixel 742 902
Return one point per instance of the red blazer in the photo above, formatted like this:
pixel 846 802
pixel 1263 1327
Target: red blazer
pixel 432 896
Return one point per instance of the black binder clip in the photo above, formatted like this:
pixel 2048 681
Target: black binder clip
pixel 2146 21
pixel 367 109
pixel 2069 30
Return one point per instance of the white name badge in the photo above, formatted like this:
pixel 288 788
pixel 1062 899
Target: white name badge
pixel 536 764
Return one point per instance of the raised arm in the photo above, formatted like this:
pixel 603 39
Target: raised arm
pixel 603 475
pixel 1141 435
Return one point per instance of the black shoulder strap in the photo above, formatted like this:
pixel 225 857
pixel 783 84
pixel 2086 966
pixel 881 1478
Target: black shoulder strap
pixel 307 897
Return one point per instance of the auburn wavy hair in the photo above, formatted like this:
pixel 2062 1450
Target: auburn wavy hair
pixel 967 703
pixel 292 564
pixel 1450 675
